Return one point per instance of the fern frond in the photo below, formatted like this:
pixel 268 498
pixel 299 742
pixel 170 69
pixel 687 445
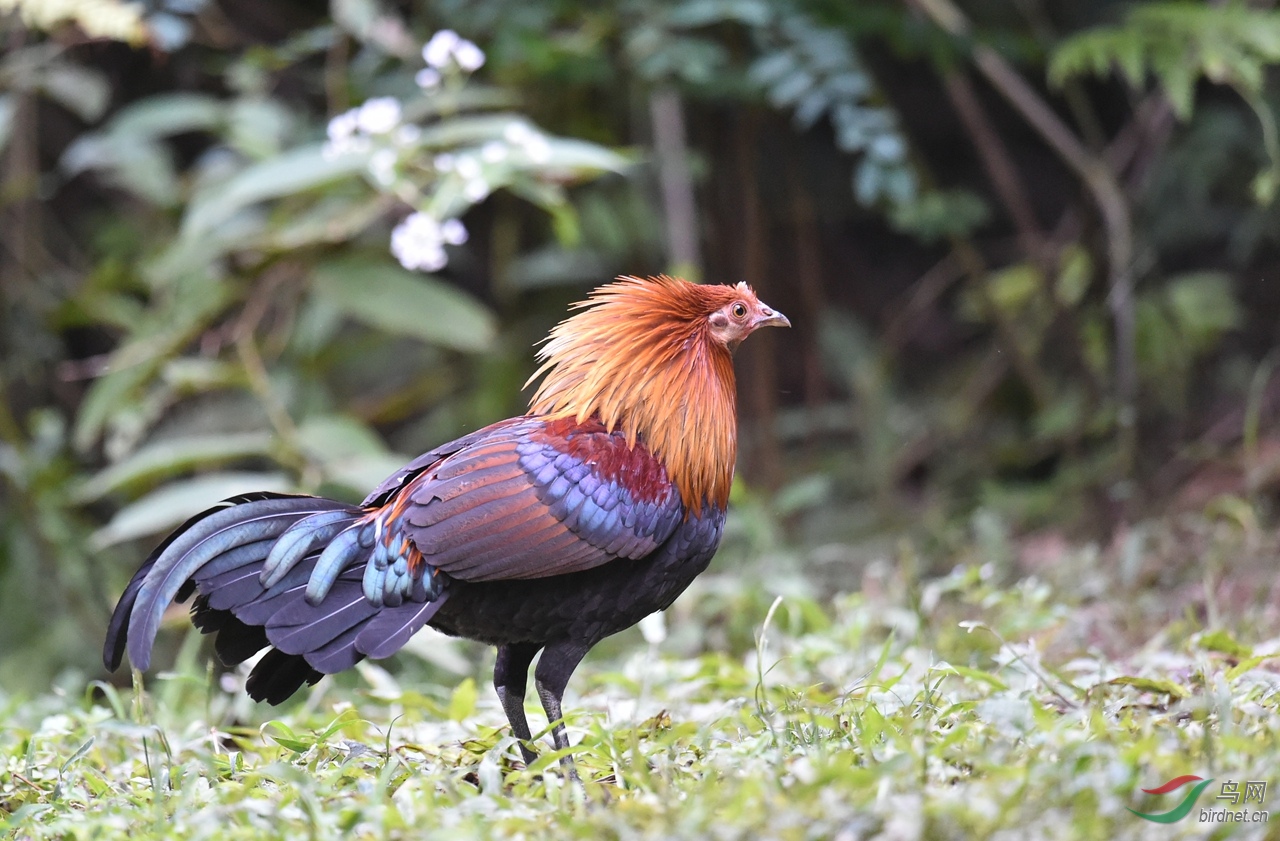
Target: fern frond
pixel 1177 43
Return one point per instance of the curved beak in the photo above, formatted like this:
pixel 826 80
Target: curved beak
pixel 769 317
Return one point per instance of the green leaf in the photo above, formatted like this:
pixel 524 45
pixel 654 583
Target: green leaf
pixel 346 717
pixel 1013 288
pixel 579 156
pixel 72 760
pixel 1161 349
pixel 1075 271
pixel 1222 642
pixel 1180 87
pixel 335 219
pixel 871 725
pixel 284 736
pixel 258 127
pixel 167 507
pixel 1248 664
pixel 937 213
pixel 347 451
pixel 292 172
pixel 196 300
pixel 80 90
pixel 105 397
pixel 1204 307
pixel 200 255
pixel 142 167
pixel 164 115
pixel 164 458
pixel 1160 685
pixel 395 300
pixel 1233 509
pixel 338 436
pixel 462 704
pixel 979 676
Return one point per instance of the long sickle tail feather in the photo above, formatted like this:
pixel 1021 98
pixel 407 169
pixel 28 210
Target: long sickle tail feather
pixel 274 570
pixel 117 629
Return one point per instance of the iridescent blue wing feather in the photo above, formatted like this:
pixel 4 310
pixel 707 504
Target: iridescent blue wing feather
pixel 537 499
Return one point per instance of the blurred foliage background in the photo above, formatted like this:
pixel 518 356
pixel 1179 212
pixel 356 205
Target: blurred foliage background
pixel 1030 250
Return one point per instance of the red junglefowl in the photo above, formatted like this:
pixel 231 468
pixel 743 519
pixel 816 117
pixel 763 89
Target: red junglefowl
pixel 546 532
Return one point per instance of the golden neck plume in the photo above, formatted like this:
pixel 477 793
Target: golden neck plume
pixel 641 357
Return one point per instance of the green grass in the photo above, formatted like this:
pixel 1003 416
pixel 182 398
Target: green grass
pixel 949 707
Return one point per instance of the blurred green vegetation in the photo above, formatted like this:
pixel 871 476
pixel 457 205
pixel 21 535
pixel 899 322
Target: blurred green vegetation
pixel 1029 249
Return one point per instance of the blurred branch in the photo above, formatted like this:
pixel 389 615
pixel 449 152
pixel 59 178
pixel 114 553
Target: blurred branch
pixel 1102 185
pixel 808 274
pixel 997 161
pixel 1073 93
pixel 1136 145
pixel 680 212
pixel 336 90
pixel 923 293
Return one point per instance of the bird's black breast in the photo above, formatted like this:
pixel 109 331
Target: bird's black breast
pixel 588 605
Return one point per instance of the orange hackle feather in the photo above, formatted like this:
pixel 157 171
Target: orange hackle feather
pixel 641 358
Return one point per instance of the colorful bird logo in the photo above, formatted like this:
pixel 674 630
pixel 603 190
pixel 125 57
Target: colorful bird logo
pixel 1180 811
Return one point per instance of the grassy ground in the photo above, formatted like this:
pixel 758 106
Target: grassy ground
pixel 1030 693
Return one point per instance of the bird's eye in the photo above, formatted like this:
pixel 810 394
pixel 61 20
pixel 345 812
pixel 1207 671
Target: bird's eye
pixel 739 311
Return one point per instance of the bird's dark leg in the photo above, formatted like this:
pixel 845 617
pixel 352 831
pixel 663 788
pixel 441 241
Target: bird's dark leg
pixel 510 677
pixel 557 663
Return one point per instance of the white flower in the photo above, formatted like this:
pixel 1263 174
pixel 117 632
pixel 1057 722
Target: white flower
pixel 446 47
pixel 453 232
pixel 476 189
pixel 493 152
pixel 343 137
pixel 379 115
pixel 444 162
pixel 469 57
pixel 468 167
pixel 342 126
pixel 418 243
pixel 427 78
pixel 440 48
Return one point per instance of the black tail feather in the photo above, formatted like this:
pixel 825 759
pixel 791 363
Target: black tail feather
pixel 223 553
pixel 235 641
pixel 278 675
